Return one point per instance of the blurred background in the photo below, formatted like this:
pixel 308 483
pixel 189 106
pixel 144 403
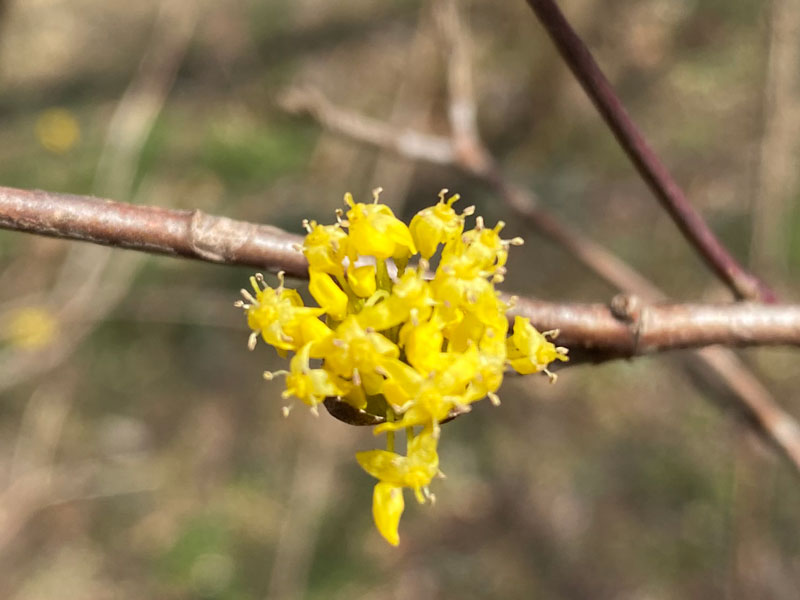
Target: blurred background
pixel 142 454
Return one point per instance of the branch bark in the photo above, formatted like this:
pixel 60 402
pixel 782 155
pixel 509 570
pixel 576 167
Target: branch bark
pixel 627 327
pixel 187 233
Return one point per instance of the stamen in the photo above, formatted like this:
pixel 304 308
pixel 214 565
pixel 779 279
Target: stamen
pixel 315 410
pixel 252 341
pixel 442 194
pixel 494 398
pixel 479 225
pixel 469 211
pixel 287 409
pixel 562 350
pixel 551 333
pixel 307 225
pixel 248 296
pixel 552 376
pixel 281 277
pixel 356 377
pixel 348 199
pixel 517 241
pixel 270 375
pixel 376 195
pixel 453 199
pixel 240 304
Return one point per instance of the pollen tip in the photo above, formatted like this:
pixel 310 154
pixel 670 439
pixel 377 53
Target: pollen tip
pixel 252 340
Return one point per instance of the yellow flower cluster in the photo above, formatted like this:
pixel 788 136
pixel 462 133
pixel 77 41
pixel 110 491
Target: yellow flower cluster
pixel 395 341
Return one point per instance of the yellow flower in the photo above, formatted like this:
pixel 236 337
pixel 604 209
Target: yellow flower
pixel 311 386
pixel 32 328
pixel 387 508
pixel 401 346
pixel 325 247
pixel 280 317
pixel 395 472
pixel 362 280
pixel 58 130
pixel 375 231
pixel 356 353
pixel 530 351
pixel 330 296
pixel 437 224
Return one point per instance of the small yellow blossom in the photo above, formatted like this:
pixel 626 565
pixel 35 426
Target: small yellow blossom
pixel 311 386
pixel 57 130
pixel 394 341
pixel 375 231
pixel 438 224
pixel 530 351
pixel 32 328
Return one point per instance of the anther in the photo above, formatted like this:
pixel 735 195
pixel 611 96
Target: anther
pixel 551 333
pixel 494 398
pixel 442 194
pixel 553 377
pixel 286 410
pixel 307 225
pixel 470 210
pixel 479 225
pixel 248 296
pixel 376 195
pixel 252 341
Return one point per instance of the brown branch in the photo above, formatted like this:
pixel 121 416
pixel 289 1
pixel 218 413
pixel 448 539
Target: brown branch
pixel 622 330
pixel 187 233
pixel 630 328
pixel 626 328
pixel 653 171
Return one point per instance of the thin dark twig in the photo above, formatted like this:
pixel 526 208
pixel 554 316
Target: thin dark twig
pixel 575 53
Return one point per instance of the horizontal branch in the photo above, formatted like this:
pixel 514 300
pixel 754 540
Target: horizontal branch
pixel 187 233
pixel 626 328
pixel 629 328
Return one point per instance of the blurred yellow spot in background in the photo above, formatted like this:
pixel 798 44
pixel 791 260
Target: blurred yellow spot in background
pixel 57 130
pixel 32 328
